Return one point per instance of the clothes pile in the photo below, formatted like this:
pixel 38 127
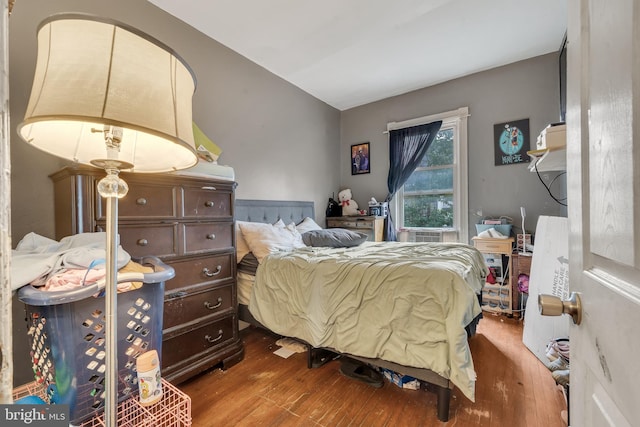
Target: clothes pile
pixel 558 354
pixel 74 261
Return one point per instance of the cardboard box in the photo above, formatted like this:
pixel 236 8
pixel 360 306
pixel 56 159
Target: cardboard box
pixel 402 381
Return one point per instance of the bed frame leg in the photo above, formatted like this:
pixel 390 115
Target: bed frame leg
pixel 309 357
pixel 317 357
pixel 444 397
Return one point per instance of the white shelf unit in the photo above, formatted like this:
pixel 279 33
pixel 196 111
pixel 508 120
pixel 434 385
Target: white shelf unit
pixel 549 159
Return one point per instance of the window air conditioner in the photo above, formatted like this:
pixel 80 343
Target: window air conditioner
pixel 432 236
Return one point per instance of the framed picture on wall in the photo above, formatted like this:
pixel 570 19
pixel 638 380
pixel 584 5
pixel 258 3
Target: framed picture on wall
pixel 511 141
pixel 360 159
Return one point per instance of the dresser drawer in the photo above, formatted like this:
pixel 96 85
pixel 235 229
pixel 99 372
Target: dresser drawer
pixel 199 271
pixel 500 246
pixel 149 239
pixel 350 223
pixel 340 224
pixel 184 309
pixel 142 201
pixel 182 349
pixel 207 236
pixel 364 224
pixel 205 202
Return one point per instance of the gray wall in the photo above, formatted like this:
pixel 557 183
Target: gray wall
pixel 282 142
pixel 268 129
pixel 526 89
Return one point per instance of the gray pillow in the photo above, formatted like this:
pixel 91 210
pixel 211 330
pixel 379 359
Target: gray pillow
pixel 248 264
pixel 333 238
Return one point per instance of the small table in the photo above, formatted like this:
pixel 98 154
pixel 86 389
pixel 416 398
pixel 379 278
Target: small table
pixel 372 226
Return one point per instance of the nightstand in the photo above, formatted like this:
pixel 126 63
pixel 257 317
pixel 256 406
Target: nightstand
pixel 372 226
pixel 497 297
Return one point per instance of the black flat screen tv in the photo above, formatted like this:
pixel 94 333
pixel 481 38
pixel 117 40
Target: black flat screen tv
pixel 562 70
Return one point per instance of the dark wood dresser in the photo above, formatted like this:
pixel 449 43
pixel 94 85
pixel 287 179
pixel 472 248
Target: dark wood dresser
pixel 188 223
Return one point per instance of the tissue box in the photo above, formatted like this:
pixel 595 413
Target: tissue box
pixel 379 209
pixel 402 381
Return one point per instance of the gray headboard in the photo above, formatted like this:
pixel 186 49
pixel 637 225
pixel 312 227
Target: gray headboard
pixel 270 211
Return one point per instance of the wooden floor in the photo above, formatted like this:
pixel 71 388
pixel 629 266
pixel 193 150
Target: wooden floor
pixel 513 389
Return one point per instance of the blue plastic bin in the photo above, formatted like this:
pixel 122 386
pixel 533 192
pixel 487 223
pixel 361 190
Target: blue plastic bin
pixel 67 333
pixel 504 229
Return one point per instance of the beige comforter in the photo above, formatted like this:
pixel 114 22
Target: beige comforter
pixel 406 303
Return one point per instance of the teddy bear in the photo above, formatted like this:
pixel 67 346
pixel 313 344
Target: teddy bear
pixel 349 206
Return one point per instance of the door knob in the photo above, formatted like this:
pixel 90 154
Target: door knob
pixel 550 305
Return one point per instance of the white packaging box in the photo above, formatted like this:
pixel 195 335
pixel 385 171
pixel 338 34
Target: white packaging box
pixel 552 137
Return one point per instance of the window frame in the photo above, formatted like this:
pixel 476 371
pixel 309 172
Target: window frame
pixel 456 120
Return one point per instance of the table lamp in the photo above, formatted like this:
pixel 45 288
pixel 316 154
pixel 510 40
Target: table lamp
pixel 107 95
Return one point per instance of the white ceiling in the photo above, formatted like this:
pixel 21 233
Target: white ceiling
pixel 351 52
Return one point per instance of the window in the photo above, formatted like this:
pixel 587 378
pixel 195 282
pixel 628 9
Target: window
pixel 428 193
pixel 435 196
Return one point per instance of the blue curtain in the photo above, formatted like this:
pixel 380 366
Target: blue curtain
pixel 406 148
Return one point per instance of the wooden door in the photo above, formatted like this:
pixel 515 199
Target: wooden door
pixel 603 177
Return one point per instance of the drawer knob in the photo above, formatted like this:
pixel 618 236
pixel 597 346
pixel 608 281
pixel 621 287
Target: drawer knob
pixel 141 201
pixel 209 306
pixel 142 242
pixel 210 273
pixel 211 339
pixel 211 236
pixel 209 203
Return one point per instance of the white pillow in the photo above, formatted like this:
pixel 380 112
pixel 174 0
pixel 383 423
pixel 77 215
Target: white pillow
pixel 241 245
pixel 264 239
pixel 242 248
pixel 307 224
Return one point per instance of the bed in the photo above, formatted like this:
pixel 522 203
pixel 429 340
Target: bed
pixel 406 307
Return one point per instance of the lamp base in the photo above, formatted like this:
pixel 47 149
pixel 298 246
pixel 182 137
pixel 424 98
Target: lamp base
pixel 111 187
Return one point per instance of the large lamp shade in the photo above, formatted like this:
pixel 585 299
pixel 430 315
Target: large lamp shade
pixel 93 72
